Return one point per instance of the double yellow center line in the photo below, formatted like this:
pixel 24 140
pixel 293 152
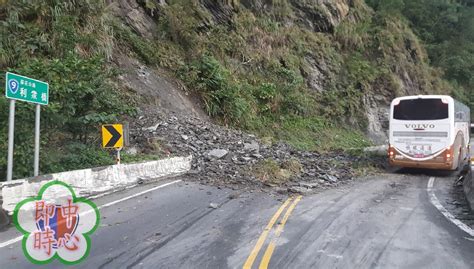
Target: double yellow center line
pixel 261 240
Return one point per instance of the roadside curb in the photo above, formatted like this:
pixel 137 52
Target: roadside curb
pixel 469 189
pixel 4 219
pixel 94 182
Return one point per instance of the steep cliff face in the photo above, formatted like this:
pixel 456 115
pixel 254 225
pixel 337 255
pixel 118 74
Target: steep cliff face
pixel 318 15
pixel 134 16
pixel 332 60
pixel 321 16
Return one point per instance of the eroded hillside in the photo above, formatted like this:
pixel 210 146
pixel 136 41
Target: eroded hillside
pixel 273 66
pixel 316 74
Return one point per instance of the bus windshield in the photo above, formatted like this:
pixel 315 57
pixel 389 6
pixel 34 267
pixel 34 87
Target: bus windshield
pixel 421 109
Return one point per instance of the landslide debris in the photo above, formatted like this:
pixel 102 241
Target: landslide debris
pixel 223 156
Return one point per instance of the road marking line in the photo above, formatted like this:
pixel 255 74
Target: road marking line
pixel 253 254
pixel 11 241
pixel 434 200
pixel 19 238
pixel 271 247
pixel 139 194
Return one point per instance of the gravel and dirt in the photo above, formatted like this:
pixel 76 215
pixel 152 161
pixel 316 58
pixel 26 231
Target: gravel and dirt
pixel 226 157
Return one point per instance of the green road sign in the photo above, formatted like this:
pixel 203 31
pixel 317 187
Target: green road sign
pixel 26 89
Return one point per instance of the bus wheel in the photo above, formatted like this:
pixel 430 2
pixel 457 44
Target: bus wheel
pixel 461 162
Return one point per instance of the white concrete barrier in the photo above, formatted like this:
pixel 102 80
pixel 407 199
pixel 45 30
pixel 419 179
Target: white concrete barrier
pixel 377 150
pixel 89 182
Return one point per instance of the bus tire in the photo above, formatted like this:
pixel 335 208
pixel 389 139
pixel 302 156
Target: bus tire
pixel 458 162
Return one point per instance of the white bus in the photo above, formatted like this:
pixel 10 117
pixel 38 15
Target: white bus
pixel 429 131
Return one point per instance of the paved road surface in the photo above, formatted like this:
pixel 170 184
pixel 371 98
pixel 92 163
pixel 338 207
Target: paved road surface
pixel 384 222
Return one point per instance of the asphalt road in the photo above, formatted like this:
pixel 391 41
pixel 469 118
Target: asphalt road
pixel 384 222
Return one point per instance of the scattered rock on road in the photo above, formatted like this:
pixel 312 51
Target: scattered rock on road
pixel 213 205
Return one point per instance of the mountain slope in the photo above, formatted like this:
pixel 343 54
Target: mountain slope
pixel 257 63
pixel 318 74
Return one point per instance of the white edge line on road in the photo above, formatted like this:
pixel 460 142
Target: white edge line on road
pixel 434 200
pixel 19 238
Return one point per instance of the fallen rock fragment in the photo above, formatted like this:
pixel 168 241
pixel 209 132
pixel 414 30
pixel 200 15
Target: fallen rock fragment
pixel 217 153
pixel 252 147
pixel 330 178
pixel 299 190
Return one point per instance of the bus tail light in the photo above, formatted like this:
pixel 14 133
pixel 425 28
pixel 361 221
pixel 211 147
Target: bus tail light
pixel 449 153
pixel 391 151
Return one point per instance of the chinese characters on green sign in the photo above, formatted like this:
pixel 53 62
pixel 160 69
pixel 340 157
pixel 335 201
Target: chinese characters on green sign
pixel 26 89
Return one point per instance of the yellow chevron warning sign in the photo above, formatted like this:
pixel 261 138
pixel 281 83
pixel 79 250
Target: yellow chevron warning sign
pixel 112 136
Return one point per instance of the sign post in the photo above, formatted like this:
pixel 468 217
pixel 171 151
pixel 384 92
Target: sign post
pixel 118 155
pixel 29 90
pixel 37 139
pixel 11 131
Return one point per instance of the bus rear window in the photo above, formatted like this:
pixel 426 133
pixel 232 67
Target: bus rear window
pixel 421 109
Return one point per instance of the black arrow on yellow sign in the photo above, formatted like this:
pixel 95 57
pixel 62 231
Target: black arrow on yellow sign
pixel 112 136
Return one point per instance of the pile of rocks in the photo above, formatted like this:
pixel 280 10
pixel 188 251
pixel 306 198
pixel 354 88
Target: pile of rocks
pixel 224 156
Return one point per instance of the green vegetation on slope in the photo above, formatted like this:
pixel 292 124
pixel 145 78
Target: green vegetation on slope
pixel 447 28
pixel 67 44
pixel 252 68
